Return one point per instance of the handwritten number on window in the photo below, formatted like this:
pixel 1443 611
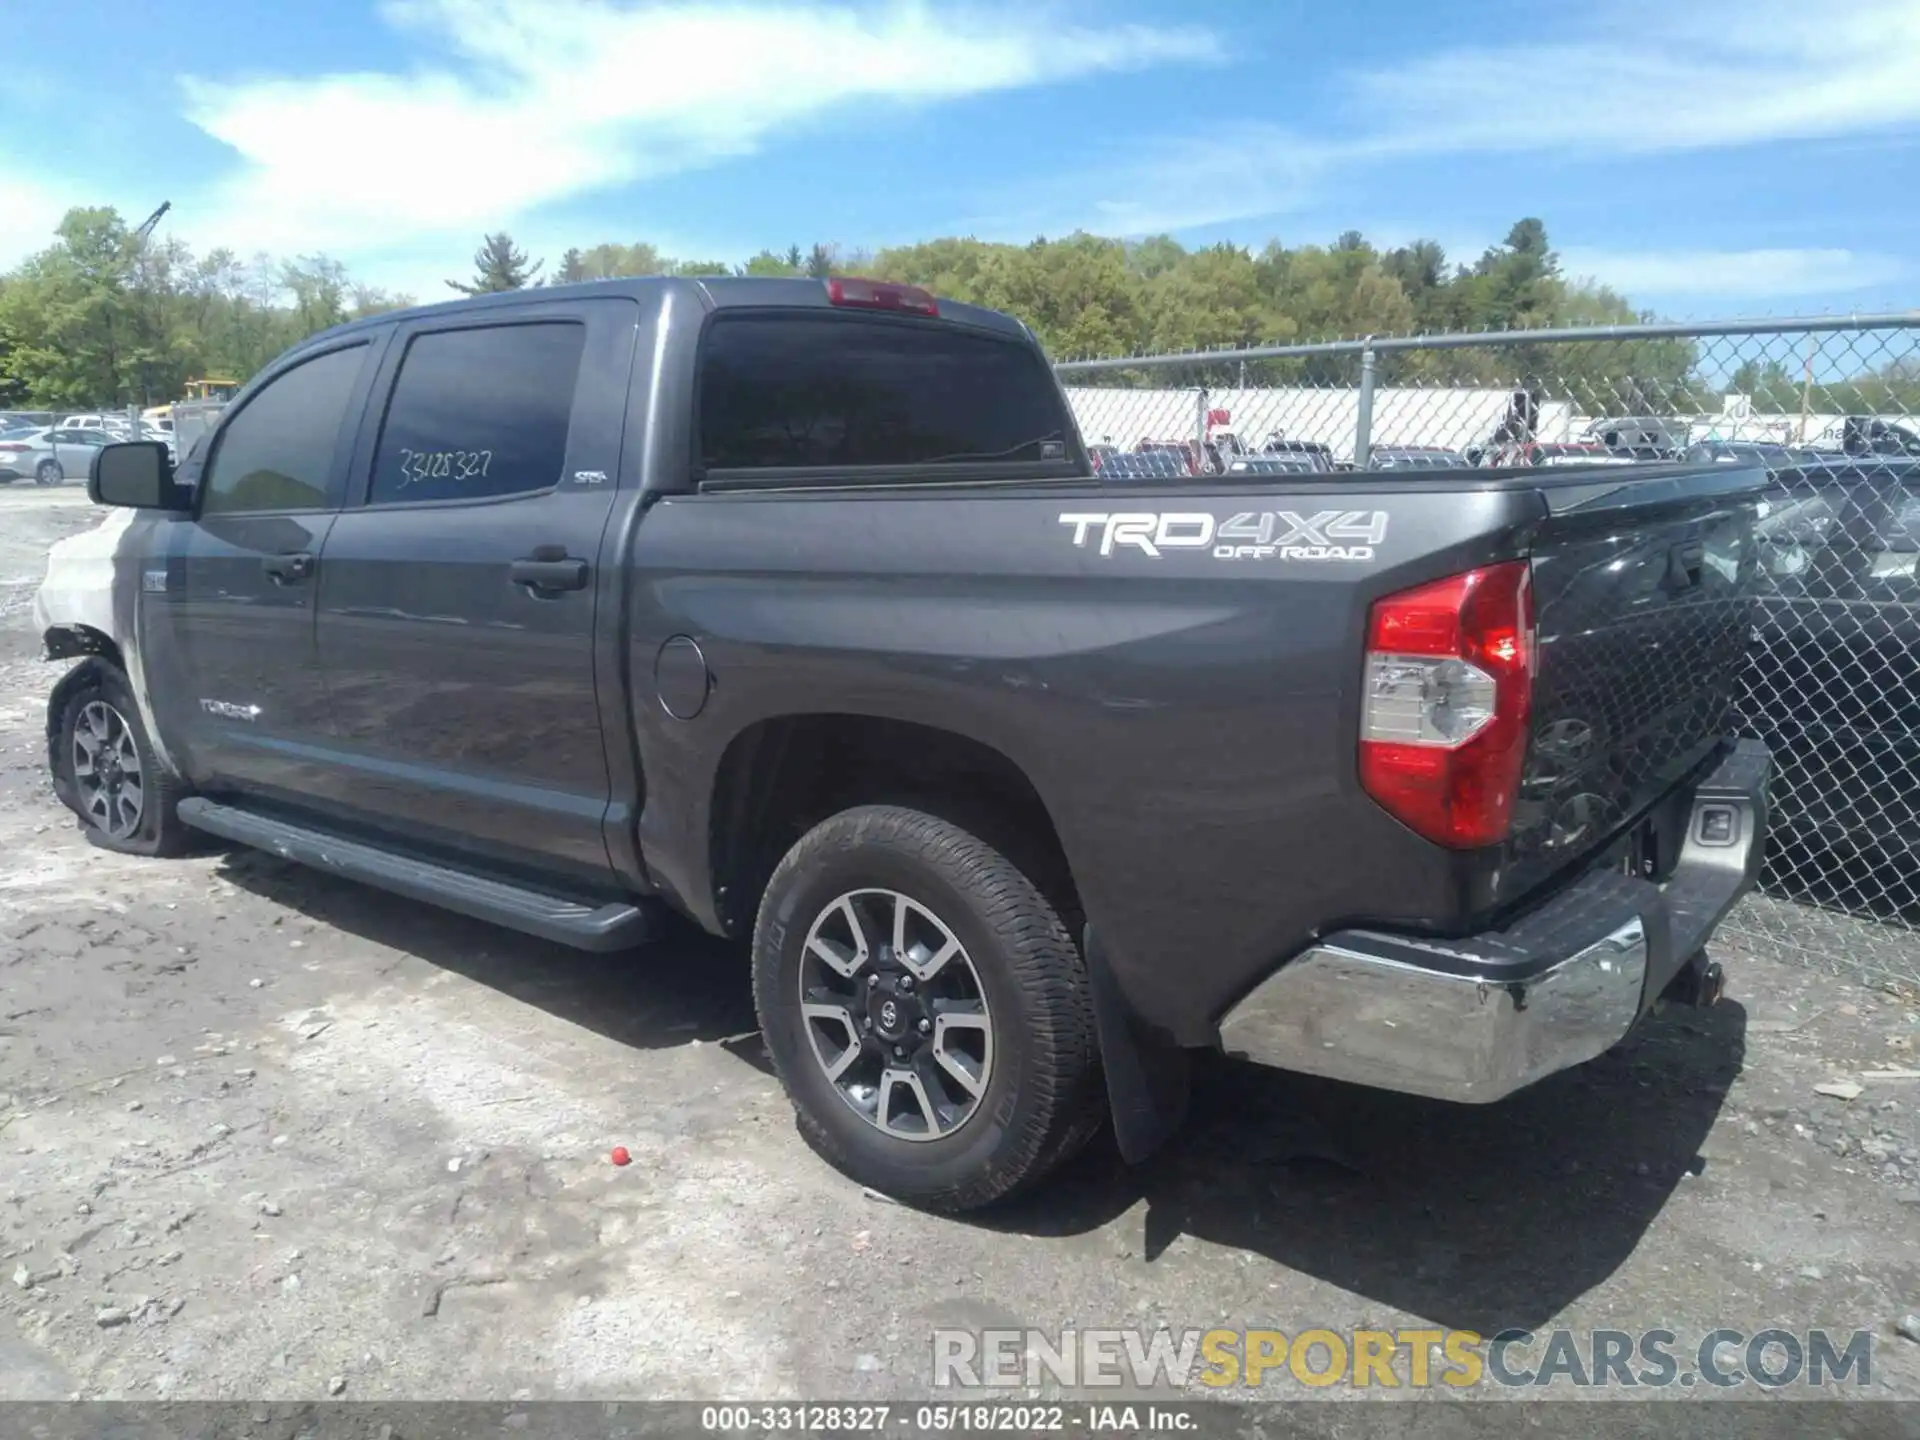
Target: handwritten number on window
pixel 420 465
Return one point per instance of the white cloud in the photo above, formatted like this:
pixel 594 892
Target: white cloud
pixel 1734 274
pixel 1646 77
pixel 1679 78
pixel 29 211
pixel 538 100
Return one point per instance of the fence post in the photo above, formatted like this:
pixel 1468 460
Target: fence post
pixel 1200 431
pixel 1363 421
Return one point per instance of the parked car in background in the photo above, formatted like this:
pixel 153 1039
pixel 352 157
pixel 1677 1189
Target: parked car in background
pixel 1751 452
pixel 26 419
pixel 1182 450
pixel 1640 437
pixel 1321 455
pixel 49 456
pixel 1833 686
pixel 1272 465
pixel 1146 465
pixel 1099 455
pixel 1553 453
pixel 1416 457
pixel 1866 435
pixel 117 423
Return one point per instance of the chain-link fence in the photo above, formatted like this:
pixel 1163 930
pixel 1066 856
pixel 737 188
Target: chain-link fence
pixel 1831 407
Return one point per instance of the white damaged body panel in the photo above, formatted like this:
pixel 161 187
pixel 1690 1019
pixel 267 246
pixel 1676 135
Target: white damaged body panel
pixel 89 602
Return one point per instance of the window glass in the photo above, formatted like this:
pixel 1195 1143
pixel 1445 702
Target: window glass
pixel 277 453
pixel 479 413
pixel 839 390
pixel 1845 542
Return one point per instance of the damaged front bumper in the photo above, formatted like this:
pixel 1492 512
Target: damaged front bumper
pixel 1476 1019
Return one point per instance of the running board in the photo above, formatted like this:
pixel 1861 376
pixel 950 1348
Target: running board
pixel 584 926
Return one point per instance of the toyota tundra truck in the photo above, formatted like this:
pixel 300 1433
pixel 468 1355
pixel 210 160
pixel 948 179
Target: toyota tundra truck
pixel 795 607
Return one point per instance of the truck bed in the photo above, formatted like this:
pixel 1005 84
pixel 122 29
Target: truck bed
pixel 1189 716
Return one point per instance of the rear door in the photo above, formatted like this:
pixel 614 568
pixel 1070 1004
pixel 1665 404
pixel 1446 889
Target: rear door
pixel 457 595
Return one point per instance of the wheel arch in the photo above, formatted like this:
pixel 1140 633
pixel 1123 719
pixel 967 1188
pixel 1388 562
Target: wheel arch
pixel 782 775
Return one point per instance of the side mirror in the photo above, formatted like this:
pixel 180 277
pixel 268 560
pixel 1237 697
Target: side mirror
pixel 137 475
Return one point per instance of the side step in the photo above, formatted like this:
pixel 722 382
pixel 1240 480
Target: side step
pixel 601 928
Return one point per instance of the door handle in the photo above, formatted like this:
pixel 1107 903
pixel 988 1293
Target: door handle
pixel 288 569
pixel 548 571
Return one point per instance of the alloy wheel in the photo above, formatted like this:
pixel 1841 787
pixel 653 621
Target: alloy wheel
pixel 106 770
pixel 895 1014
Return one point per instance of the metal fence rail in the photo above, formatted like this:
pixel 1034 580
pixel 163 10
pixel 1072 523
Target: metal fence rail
pixel 1830 405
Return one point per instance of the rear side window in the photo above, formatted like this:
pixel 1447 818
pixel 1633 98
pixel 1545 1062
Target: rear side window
pixel 804 391
pixel 1849 542
pixel 277 452
pixel 478 414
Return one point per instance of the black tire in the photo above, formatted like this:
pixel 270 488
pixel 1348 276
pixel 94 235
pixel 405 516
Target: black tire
pixel 1043 1097
pixel 49 472
pixel 98 686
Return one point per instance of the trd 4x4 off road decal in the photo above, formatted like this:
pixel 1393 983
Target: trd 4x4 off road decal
pixel 1248 535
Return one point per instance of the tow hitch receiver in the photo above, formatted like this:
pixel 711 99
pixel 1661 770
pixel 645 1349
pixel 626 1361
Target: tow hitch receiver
pixel 1701 982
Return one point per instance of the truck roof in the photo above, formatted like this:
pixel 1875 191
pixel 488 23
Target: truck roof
pixel 724 292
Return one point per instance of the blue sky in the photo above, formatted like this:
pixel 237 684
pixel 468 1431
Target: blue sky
pixel 1708 157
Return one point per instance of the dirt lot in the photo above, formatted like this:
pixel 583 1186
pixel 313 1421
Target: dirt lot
pixel 266 1135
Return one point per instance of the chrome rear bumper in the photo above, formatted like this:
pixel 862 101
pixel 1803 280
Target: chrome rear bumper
pixel 1476 1019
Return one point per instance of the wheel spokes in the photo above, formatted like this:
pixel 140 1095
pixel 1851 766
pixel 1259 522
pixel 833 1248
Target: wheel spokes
pixel 970 1019
pixel 844 959
pixel 834 1014
pixel 923 960
pixel 893 1081
pixel 129 803
pixel 896 1014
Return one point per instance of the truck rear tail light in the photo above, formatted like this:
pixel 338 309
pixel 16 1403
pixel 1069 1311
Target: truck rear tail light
pixel 881 295
pixel 1449 686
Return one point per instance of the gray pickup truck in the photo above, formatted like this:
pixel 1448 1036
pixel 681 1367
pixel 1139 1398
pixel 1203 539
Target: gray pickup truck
pixel 794 607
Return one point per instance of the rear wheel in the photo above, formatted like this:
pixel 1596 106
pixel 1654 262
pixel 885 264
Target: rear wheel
pixel 49 472
pixel 925 1009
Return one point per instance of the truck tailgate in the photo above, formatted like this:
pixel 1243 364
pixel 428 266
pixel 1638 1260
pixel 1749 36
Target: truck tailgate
pixel 1643 596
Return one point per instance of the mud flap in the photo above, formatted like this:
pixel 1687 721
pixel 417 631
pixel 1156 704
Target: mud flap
pixel 1148 1076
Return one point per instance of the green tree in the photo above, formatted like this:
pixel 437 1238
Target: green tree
pixel 498 265
pixel 768 263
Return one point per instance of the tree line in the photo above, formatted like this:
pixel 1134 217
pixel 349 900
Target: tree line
pixel 105 316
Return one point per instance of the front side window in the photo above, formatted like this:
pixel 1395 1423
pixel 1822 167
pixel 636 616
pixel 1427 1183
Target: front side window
pixel 478 414
pixel 804 391
pixel 277 453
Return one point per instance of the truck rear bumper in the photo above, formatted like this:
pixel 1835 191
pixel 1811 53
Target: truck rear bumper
pixel 1476 1019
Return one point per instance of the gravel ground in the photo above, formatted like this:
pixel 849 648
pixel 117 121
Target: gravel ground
pixel 269 1136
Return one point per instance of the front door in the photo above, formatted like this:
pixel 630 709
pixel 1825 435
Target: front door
pixel 234 597
pixel 457 589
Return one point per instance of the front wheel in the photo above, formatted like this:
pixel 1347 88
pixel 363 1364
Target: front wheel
pixel 925 1009
pixel 49 472
pixel 105 770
